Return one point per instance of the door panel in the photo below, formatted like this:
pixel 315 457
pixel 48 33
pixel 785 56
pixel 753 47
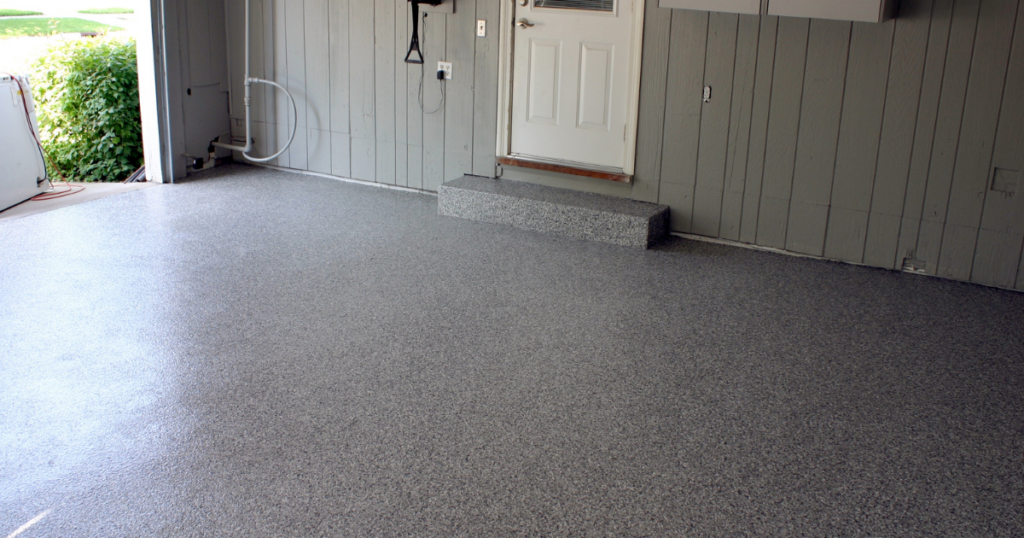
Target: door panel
pixel 595 86
pixel 545 56
pixel 570 81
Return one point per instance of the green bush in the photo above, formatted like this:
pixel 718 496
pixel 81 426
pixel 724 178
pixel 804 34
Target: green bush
pixel 87 97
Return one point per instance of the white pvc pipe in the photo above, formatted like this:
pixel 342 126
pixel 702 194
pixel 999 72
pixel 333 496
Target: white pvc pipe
pixel 249 81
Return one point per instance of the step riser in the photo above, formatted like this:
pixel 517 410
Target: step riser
pixel 460 199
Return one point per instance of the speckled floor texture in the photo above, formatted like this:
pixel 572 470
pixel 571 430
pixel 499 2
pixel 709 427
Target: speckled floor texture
pixel 263 354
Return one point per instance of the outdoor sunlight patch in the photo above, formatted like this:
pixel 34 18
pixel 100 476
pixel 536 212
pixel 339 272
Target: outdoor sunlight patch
pixel 16 12
pixel 43 26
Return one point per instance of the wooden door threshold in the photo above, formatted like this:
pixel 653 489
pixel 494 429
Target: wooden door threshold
pixel 562 169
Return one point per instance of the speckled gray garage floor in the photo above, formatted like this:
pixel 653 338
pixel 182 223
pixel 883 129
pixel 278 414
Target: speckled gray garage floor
pixel 261 354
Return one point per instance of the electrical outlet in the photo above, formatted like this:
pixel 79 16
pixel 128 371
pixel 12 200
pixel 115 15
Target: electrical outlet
pixel 481 28
pixel 447 68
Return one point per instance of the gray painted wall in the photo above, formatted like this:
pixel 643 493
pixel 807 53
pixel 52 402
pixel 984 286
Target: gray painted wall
pixel 360 111
pixel 891 145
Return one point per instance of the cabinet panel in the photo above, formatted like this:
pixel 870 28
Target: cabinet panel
pixel 749 7
pixel 844 10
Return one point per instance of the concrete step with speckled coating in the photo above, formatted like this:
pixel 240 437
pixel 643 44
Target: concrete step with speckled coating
pixel 591 217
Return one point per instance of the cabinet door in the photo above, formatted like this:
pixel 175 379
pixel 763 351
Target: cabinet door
pixel 750 7
pixel 844 10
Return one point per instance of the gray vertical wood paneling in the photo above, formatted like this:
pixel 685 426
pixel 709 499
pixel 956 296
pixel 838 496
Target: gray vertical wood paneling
pixel 295 47
pixel 947 132
pixel 1002 224
pixel 414 117
pixel 906 69
pixel 956 252
pixel 820 112
pixel 1020 275
pixel 997 258
pixel 338 29
pixel 653 87
pixel 763 81
pixel 683 114
pixel 713 146
pixel 318 86
pixel 282 110
pixel 267 96
pixel 458 129
pixel 338 39
pixel 384 89
pixel 857 158
pixel 783 129
pixel 401 21
pixel 924 138
pixel 741 116
pixel 433 33
pixel 485 90
pixel 978 129
pixel 362 87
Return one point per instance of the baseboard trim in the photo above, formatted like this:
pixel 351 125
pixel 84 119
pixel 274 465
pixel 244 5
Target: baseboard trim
pixel 345 179
pixel 730 243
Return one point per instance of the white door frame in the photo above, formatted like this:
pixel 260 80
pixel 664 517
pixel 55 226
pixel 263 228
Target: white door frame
pixel 506 49
pixel 159 99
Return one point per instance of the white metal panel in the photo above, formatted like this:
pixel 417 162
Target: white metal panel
pixel 21 165
pixel 749 7
pixel 843 10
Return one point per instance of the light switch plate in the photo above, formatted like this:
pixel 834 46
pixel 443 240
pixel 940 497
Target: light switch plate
pixel 481 28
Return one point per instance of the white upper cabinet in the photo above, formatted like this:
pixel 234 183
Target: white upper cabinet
pixel 844 10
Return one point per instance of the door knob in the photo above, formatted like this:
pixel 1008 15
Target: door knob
pixel 524 24
pixel 523 3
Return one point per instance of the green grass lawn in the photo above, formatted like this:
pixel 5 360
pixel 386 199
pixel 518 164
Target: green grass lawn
pixel 42 26
pixel 16 12
pixel 107 11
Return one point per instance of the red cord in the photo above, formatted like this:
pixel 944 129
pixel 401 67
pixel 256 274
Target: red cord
pixel 53 195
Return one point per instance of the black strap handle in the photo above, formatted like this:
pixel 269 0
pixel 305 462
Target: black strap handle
pixel 414 45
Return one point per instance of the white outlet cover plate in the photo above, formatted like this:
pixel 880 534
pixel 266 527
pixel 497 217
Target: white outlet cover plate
pixel 447 68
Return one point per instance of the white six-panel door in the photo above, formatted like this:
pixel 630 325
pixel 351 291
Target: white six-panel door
pixel 571 81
